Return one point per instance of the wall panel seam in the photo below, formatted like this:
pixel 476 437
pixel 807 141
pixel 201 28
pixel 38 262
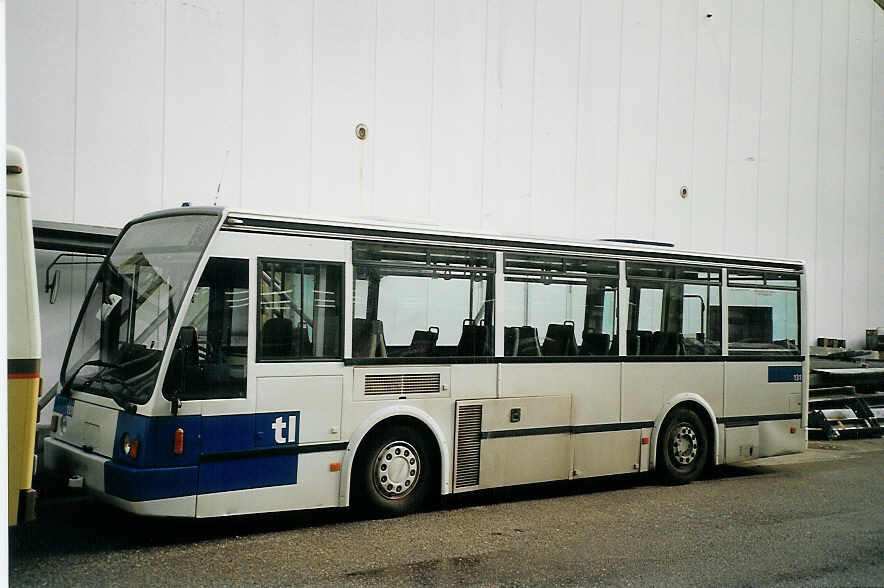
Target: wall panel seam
pixel 484 121
pixel 694 122
pixel 789 129
pixel 76 108
pixel 727 125
pixel 819 151
pixel 657 124
pixel 532 197
pixel 242 103
pixel 619 117
pixel 758 137
pixel 428 206
pixel 577 104
pixel 842 313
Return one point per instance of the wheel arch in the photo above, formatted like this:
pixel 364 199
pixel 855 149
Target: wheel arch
pixel 384 417
pixel 688 400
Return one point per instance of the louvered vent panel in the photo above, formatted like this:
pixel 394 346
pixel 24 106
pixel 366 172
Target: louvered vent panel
pixel 402 383
pixel 469 433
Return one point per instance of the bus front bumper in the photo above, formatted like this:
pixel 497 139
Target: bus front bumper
pixel 89 469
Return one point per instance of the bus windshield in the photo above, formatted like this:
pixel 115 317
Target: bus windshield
pixel 123 328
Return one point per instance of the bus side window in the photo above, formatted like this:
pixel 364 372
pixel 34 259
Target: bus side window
pixel 414 301
pixel 299 312
pixel 553 300
pixel 673 310
pixel 762 313
pixel 210 359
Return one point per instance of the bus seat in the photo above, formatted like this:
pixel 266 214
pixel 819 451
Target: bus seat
pixel 187 337
pixel 658 340
pixel 633 342
pixel 423 343
pixel 528 345
pixel 559 340
pixel 473 340
pixel 301 339
pixel 276 337
pixel 645 342
pixel 668 343
pixel 331 335
pixel 596 343
pixel 510 341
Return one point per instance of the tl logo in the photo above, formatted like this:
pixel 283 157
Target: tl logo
pixel 285 432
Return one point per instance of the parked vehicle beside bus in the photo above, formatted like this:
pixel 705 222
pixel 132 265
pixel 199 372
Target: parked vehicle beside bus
pixel 227 362
pixel 22 339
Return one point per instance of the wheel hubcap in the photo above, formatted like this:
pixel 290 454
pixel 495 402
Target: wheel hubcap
pixel 396 469
pixel 684 444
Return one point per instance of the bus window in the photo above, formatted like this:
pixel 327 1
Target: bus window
pixel 422 302
pixel 672 310
pixel 300 310
pixel 212 342
pixel 762 312
pixel 553 302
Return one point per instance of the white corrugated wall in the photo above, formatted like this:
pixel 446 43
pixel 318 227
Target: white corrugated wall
pixel 571 118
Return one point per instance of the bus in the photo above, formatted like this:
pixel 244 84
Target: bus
pixel 22 340
pixel 226 362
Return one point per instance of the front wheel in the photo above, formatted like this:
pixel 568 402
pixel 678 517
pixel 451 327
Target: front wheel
pixel 394 470
pixel 683 448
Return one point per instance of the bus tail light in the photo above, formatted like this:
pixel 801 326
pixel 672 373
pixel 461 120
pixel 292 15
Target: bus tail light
pixel 178 446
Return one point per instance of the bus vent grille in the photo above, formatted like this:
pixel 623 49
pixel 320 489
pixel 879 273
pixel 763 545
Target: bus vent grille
pixel 469 434
pixel 402 383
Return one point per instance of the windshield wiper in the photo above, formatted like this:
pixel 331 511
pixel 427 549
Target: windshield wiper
pixel 102 380
pixel 66 389
pixel 99 377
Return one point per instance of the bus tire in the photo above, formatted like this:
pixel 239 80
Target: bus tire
pixel 394 471
pixel 683 448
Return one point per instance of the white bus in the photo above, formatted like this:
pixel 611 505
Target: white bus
pixel 22 339
pixel 226 362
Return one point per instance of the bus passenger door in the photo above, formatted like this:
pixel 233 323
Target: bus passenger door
pixel 299 369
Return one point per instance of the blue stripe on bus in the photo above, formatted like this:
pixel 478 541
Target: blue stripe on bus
pixel 249 472
pixel 137 484
pixel 784 373
pixel 221 453
pixel 232 432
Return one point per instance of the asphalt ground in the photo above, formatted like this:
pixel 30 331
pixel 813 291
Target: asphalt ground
pixel 816 518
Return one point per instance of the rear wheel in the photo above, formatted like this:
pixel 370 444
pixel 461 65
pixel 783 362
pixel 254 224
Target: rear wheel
pixel 683 448
pixel 394 471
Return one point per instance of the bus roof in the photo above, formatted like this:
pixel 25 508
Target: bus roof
pixel 376 229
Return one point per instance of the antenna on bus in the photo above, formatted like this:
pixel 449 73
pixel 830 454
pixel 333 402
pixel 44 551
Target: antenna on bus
pixel 221 179
pixel 640 242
